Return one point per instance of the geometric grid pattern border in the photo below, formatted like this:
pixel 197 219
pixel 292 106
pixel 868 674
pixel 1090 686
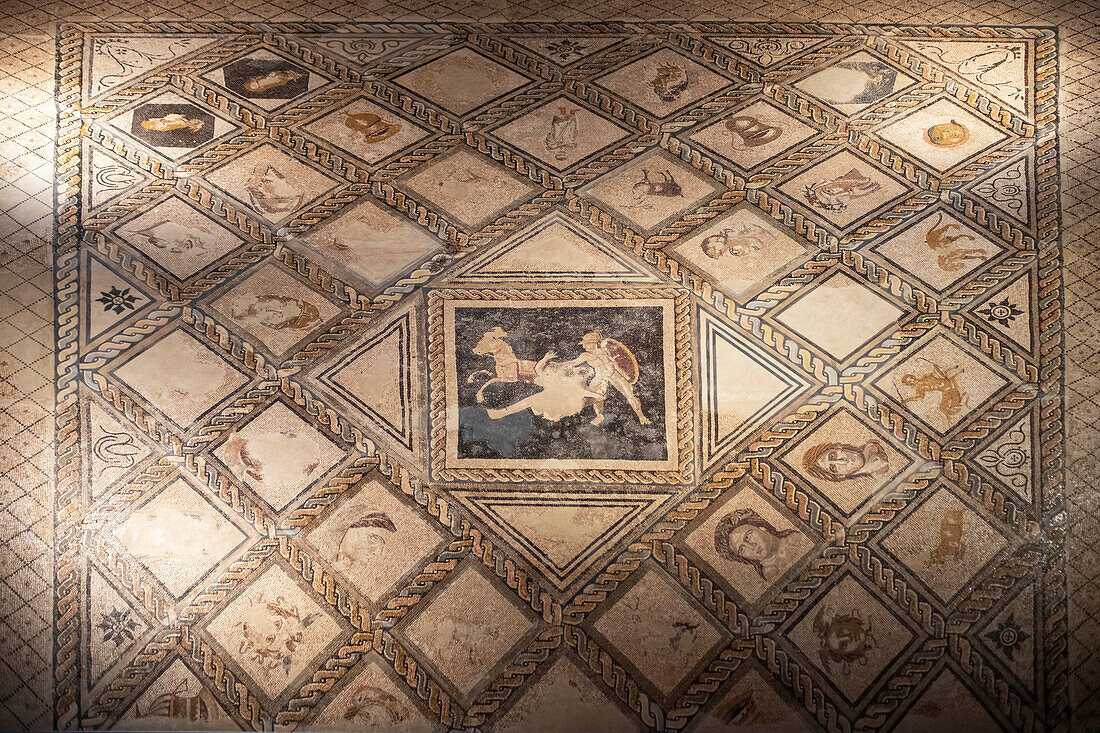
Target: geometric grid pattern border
pixel 805 429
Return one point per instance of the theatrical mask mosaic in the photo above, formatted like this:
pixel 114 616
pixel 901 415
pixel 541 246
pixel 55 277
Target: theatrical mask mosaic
pixel 546 377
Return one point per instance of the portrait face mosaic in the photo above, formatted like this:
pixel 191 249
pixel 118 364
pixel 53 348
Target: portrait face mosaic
pixel 557 377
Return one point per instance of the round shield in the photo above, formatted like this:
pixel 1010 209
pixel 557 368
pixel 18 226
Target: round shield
pixel 625 363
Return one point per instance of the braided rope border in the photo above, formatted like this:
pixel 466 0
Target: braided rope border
pixel 685 441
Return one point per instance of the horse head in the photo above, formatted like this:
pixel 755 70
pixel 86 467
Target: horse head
pixel 492 342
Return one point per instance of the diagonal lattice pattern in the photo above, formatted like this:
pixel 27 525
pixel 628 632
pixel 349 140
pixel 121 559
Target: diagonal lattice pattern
pixel 1078 163
pixel 585 505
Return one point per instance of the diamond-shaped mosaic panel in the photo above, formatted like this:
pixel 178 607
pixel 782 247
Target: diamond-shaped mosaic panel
pixel 278 455
pixel 174 126
pixel 663 82
pixel 748 543
pixel 840 315
pixel 180 377
pixel 948 701
pixel 945 543
pixel 566 697
pixel 652 190
pixel 855 83
pixel 843 189
pixel 741 251
pixel 179 237
pixel 848 459
pixel 662 634
pixel 374 539
pixel 942 135
pixel 367 130
pixel 939 249
pixel 749 136
pixel 850 636
pixel 371 242
pixel 446 80
pixel 266 79
pixel 468 630
pixel 276 630
pixel 275 185
pixel 469 188
pixel 179 535
pixel 753 701
pixel 941 384
pixel 373 698
pixel 276 309
pixel 561 132
pixel 176 681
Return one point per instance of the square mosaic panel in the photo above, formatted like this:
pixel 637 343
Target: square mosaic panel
pixel 622 376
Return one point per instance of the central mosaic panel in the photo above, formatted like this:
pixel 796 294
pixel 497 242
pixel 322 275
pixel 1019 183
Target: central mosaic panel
pixel 593 385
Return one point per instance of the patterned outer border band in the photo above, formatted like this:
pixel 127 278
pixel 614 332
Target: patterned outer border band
pixel 944 635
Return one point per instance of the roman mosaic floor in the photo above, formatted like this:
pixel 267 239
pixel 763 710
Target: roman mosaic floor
pixel 501 374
